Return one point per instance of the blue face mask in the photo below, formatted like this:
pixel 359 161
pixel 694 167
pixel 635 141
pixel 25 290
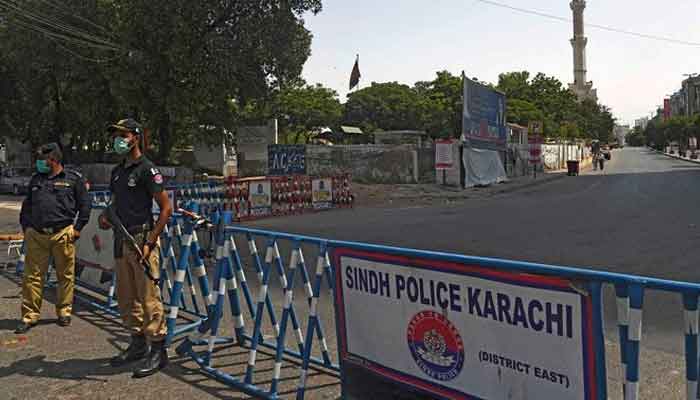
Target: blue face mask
pixel 42 166
pixel 121 145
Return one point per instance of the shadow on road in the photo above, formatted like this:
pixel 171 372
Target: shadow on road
pixel 182 369
pixel 72 369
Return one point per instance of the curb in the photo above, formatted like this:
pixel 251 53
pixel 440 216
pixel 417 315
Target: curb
pixel 552 176
pixel 676 157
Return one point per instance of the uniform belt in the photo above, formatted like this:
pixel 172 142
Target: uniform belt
pixel 136 229
pixel 52 229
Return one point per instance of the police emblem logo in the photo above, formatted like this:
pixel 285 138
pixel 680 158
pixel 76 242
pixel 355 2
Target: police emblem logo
pixel 435 345
pixel 132 181
pixel 158 178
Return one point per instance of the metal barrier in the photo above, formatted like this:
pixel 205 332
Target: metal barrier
pixel 231 281
pixel 309 332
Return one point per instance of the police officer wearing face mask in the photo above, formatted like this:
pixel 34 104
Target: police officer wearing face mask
pixel 47 217
pixel 135 183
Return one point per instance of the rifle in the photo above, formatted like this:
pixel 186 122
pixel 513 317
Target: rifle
pixel 197 220
pixel 120 230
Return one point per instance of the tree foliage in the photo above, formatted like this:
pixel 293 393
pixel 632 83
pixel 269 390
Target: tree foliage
pixel 176 65
pixel 545 99
pixel 659 133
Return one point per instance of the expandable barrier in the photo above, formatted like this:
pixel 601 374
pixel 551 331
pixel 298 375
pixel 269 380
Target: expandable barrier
pixel 288 341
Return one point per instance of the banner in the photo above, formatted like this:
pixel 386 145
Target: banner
pixel 322 193
pixel 443 154
pixel 286 159
pixel 455 330
pixel 482 167
pixel 483 116
pixel 260 198
pixel 94 254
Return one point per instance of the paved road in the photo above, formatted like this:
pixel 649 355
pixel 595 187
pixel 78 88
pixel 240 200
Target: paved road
pixel 641 215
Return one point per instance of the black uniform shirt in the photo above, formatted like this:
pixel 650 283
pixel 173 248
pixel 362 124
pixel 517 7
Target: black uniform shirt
pixel 54 201
pixel 133 185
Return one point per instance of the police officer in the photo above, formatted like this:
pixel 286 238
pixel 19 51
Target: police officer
pixel 134 184
pixel 48 212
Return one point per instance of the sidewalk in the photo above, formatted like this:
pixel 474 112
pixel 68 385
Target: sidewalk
pixel 676 156
pixel 433 194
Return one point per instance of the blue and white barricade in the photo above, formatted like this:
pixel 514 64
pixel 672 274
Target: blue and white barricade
pixel 292 340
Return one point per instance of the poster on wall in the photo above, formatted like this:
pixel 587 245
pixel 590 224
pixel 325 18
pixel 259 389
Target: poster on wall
pixel 483 116
pixel 322 193
pixel 461 331
pixel 260 197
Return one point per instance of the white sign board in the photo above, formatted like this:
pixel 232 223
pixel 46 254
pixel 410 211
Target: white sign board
pixel 94 253
pixel 443 154
pixel 457 331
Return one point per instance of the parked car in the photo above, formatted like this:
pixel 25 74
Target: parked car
pixel 15 180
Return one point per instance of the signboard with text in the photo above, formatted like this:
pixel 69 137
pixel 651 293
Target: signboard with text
pixel 483 116
pixel 260 197
pixel 443 154
pixel 286 159
pixel 535 147
pixel 322 193
pixel 455 330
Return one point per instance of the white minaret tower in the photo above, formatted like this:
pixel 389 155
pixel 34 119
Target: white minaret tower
pixel 581 87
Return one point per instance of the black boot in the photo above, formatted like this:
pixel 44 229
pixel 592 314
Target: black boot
pixel 137 350
pixel 157 359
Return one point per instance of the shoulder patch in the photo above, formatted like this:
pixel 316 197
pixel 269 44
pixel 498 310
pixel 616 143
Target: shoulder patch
pixel 158 178
pixel 154 171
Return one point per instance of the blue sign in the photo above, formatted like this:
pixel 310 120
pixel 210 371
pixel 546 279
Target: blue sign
pixel 484 117
pixel 285 159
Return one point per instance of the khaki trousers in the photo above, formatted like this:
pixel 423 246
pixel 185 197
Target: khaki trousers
pixel 39 248
pixel 140 303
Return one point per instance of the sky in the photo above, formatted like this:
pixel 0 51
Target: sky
pixel 410 40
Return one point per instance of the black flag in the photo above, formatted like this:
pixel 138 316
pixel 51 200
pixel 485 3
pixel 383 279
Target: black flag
pixel 355 75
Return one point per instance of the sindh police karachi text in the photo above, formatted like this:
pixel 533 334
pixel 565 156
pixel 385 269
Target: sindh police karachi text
pixel 539 316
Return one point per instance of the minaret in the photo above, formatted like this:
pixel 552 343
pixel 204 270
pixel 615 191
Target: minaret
pixel 581 87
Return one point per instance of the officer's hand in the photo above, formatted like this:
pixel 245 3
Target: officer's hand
pixel 76 235
pixel 146 252
pixel 104 223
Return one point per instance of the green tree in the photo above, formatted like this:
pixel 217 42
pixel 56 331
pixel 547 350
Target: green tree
pixel 385 106
pixel 440 105
pixel 305 110
pixel 178 66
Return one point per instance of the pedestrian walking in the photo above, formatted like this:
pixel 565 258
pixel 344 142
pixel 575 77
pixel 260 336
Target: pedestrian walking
pixel 134 184
pixel 48 219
